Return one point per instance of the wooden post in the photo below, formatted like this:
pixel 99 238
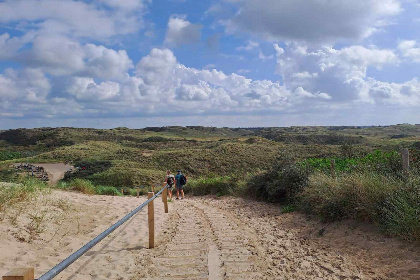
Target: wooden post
pixel 122 191
pixel 165 199
pixel 405 160
pixel 138 192
pixel 25 273
pixel 151 213
pixel 332 167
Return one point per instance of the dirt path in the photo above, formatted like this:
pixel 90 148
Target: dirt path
pixel 200 238
pixel 55 171
pixel 204 243
pixel 235 239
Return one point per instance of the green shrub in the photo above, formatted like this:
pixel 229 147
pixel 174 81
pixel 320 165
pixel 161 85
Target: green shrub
pixel 88 168
pixel 213 185
pixel 378 161
pixel 282 183
pixel 399 213
pixel 106 190
pixel 388 201
pixel 156 139
pixel 82 185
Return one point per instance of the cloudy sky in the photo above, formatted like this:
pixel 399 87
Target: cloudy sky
pixel 137 63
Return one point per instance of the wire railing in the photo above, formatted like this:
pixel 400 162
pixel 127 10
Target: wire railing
pixel 73 257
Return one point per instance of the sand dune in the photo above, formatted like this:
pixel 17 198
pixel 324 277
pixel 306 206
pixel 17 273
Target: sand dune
pixel 201 238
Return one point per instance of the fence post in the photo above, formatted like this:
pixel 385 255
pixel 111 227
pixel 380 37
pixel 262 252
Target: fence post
pixel 405 160
pixel 26 273
pixel 332 167
pixel 165 199
pixel 138 192
pixel 151 215
pixel 122 191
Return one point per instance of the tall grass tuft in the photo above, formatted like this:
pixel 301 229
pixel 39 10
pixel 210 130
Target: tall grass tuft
pixel 14 193
pixel 388 201
pixel 214 185
pixel 82 185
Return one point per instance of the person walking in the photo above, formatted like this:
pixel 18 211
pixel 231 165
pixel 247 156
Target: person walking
pixel 170 181
pixel 180 182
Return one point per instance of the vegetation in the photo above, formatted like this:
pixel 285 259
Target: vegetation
pixel 14 193
pixel 290 165
pixel 279 184
pixel 388 201
pixel 212 186
pixel 88 187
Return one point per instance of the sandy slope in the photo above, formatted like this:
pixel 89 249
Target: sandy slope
pixel 55 170
pixel 201 238
pixel 70 221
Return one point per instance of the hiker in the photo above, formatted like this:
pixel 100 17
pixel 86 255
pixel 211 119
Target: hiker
pixel 180 181
pixel 170 181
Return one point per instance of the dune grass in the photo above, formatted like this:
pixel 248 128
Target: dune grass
pixel 391 203
pixel 11 193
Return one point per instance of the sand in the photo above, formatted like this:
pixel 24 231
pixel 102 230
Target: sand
pixel 55 171
pixel 70 220
pixel 200 238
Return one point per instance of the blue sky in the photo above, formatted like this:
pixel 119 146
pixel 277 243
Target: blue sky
pixel 136 63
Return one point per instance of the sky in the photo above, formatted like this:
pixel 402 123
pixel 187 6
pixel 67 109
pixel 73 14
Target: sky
pixel 236 63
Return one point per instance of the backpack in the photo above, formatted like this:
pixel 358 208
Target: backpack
pixel 170 181
pixel 183 180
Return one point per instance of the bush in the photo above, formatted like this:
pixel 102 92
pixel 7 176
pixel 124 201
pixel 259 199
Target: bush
pixel 88 168
pixel 213 185
pixel 106 190
pixel 280 184
pixel 83 186
pixel 388 201
pixel 156 139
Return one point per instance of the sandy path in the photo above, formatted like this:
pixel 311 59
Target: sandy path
pixel 203 243
pixel 55 171
pixel 234 239
pixel 200 238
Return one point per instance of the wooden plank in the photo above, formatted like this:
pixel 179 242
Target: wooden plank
pixel 405 160
pixel 165 199
pixel 23 273
pixel 332 166
pixel 151 215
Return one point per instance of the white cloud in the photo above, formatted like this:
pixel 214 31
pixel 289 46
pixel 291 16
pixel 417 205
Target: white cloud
pixel 26 86
pixel 410 50
pixel 87 89
pixel 340 74
pixel 314 81
pixel 249 46
pixel 62 56
pixel 264 57
pixel 129 5
pixel 180 31
pixel 74 18
pixel 311 20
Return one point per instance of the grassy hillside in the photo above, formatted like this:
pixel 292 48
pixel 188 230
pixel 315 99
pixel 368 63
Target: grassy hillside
pixel 141 156
pixel 289 165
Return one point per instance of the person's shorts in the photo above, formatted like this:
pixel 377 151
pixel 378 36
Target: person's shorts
pixel 170 187
pixel 179 187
